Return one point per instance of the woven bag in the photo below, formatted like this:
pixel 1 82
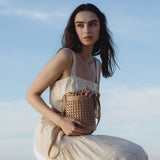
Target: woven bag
pixel 83 108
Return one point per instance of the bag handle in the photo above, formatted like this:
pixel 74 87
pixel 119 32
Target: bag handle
pixel 98 108
pixel 98 73
pixel 53 142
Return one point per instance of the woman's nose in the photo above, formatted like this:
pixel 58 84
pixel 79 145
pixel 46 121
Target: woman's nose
pixel 86 29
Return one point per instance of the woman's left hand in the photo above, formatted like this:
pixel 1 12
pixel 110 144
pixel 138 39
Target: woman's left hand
pixel 90 93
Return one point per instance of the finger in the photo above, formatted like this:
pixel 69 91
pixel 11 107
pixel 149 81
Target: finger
pixel 88 93
pixel 74 134
pixel 91 94
pixel 77 134
pixel 80 130
pixel 79 123
pixel 82 91
pixel 87 89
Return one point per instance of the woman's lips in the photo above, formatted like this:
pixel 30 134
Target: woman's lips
pixel 87 38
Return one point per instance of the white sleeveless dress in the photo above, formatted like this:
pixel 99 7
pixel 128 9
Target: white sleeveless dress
pixel 88 147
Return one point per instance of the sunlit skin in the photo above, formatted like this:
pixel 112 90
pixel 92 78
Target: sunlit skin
pixel 87 24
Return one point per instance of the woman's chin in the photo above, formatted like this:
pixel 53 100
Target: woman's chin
pixel 88 44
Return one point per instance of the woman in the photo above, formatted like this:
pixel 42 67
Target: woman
pixel 75 68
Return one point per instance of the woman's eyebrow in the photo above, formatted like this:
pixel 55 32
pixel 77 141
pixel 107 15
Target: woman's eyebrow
pixel 88 22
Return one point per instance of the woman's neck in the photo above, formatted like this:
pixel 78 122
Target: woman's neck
pixel 86 53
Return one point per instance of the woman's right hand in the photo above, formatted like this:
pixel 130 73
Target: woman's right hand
pixel 71 127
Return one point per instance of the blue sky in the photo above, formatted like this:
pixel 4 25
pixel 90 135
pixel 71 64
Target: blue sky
pixel 30 34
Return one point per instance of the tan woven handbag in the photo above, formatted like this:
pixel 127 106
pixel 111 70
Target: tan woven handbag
pixel 85 109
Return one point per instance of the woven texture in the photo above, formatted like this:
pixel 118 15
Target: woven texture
pixel 83 108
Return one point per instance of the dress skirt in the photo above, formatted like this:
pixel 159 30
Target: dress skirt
pixel 97 147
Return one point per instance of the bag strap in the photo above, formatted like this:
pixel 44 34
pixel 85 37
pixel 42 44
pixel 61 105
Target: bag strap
pixel 98 70
pixel 57 130
pixel 98 109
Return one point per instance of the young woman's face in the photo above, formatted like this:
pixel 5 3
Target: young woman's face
pixel 87 27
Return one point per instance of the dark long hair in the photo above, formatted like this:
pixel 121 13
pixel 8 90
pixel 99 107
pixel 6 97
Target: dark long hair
pixel 104 46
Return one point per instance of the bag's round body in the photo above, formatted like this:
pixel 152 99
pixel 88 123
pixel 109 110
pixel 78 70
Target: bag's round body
pixel 81 108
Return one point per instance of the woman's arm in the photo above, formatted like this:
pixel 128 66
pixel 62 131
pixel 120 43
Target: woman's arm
pixel 48 75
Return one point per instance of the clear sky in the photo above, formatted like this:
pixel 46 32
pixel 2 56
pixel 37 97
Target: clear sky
pixel 30 34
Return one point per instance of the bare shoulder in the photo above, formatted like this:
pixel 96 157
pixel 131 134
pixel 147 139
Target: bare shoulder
pixel 63 58
pixel 53 69
pixel 65 54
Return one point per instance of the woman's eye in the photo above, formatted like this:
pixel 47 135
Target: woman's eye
pixel 92 24
pixel 80 25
